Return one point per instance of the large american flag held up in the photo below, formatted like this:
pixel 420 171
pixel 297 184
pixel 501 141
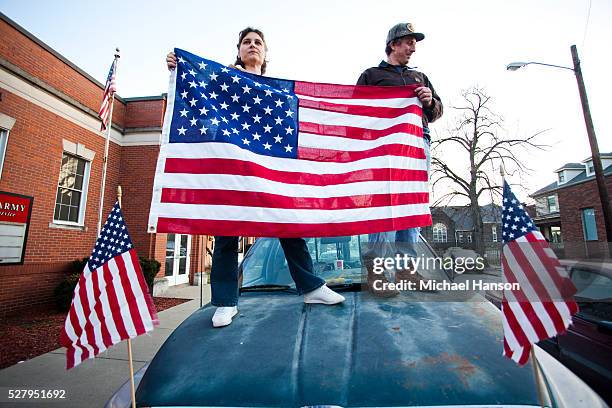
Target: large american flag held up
pixel 111 301
pixel 249 155
pixel 543 306
pixel 109 90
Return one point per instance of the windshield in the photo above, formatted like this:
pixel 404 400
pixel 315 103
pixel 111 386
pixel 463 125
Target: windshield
pixel 338 260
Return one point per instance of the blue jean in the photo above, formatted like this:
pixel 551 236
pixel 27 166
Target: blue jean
pixel 380 241
pixel 224 273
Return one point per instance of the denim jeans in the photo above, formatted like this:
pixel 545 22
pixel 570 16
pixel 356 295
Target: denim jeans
pixel 380 242
pixel 224 273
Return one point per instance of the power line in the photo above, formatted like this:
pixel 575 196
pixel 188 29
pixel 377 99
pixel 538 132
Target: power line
pixel 586 25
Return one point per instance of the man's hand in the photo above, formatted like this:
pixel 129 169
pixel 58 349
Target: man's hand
pixel 171 61
pixel 425 96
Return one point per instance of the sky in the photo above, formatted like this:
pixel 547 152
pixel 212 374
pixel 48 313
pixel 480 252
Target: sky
pixel 467 43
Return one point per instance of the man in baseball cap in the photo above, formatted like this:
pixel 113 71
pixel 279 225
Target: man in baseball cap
pixel 401 30
pixel 400 45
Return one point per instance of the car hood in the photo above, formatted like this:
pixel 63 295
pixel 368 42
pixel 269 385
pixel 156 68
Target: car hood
pixel 365 352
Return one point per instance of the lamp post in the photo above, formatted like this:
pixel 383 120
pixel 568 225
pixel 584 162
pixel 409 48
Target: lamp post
pixel 599 176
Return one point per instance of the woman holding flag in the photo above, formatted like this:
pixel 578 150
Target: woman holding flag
pixel 251 58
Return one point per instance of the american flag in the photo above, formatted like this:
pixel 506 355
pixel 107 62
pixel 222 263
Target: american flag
pixel 543 306
pixel 249 155
pixel 109 90
pixel 111 301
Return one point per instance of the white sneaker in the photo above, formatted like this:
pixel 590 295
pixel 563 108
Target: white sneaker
pixel 323 295
pixel 223 315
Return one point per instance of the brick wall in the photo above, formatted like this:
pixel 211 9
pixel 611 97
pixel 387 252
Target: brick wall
pixel 159 252
pixel 31 167
pixel 33 160
pixel 138 171
pixel 21 286
pixel 32 163
pixel 20 50
pixel 572 200
pixel 144 114
pixel 200 259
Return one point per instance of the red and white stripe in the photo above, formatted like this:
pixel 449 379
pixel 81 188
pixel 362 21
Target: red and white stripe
pixel 110 304
pixel 543 306
pixel 361 168
pixel 107 99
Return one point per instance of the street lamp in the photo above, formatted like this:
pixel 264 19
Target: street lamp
pixel 513 66
pixel 599 176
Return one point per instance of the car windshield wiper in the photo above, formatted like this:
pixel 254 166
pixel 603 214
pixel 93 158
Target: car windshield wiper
pixel 272 288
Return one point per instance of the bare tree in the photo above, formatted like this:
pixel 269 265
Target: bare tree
pixel 480 147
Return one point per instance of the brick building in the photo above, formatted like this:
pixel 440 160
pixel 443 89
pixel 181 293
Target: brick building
pixel 52 151
pixel 452 226
pixel 568 211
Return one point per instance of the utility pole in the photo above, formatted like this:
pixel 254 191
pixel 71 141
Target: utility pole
pixel 599 175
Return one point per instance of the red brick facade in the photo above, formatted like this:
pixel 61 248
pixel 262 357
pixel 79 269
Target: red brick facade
pixel 137 173
pixel 37 60
pixel 572 200
pixel 34 154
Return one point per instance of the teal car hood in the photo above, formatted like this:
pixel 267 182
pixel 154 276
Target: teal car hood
pixel 365 352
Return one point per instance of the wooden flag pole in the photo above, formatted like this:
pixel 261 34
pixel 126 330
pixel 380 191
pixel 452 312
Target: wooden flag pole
pixel 129 341
pixel 132 389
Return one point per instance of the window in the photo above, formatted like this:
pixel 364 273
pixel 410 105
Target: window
pixel 589 227
pixel 591 168
pixel 494 232
pixel 440 233
pixel 555 235
pixel 3 142
pixel 71 190
pixel 593 286
pixel 561 177
pixel 469 238
pixel 551 201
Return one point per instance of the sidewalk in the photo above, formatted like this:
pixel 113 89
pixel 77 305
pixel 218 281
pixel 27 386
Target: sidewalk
pixel 93 382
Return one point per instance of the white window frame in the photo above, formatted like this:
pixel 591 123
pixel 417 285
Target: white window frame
pixel 4 136
pixel 6 125
pixel 440 233
pixel 548 207
pixel 80 152
pixel 590 168
pixel 494 232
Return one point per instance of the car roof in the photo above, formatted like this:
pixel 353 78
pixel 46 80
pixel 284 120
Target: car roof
pixel 365 352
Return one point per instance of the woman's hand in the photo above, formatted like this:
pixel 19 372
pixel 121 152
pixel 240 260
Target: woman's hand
pixel 171 60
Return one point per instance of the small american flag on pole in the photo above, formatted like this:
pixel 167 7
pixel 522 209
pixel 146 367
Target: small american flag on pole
pixel 249 155
pixel 543 306
pixel 109 90
pixel 111 301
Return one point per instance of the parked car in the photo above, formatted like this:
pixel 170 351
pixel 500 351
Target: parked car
pixel 586 348
pixel 404 351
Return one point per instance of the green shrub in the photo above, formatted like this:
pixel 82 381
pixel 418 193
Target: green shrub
pixel 65 290
pixel 150 269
